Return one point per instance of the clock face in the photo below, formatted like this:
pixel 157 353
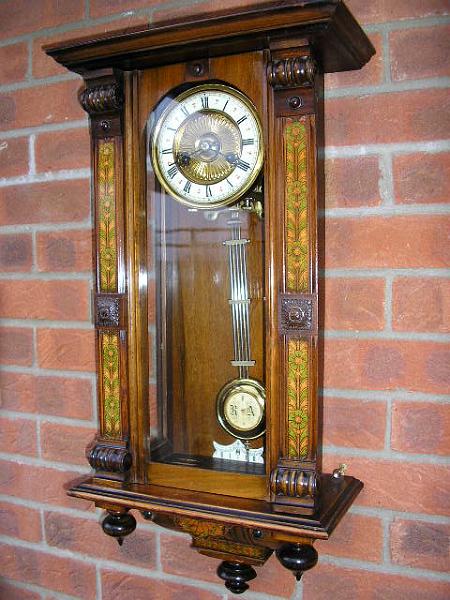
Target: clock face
pixel 240 408
pixel 207 146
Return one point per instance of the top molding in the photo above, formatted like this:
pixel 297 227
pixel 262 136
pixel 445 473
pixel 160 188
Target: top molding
pixel 338 42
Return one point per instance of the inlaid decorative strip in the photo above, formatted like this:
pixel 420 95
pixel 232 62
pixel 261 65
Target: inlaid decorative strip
pixel 110 363
pixel 296 211
pixel 298 398
pixel 107 216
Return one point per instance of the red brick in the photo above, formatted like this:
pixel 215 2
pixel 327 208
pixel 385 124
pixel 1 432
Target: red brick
pixel 57 396
pixel 272 580
pixel 37 106
pixel 387 365
pixel 354 423
pixel 101 8
pixel 421 428
pixel 398 485
pixel 67 349
pixel 354 304
pixel 351 182
pixel 57 300
pixel 400 117
pixel 46 66
pixel 63 150
pixel 64 575
pixel 178 558
pixel 63 443
pixel 64 251
pixel 370 74
pixel 18 436
pixel 22 16
pixel 50 202
pixel 395 242
pixel 422 178
pixel 16 346
pixel 419 544
pixel 16 252
pixel 421 304
pixel 151 301
pixel 327 581
pixel 13 156
pixel 8 591
pixel 85 536
pixel 117 585
pixel 386 10
pixel 40 484
pixel 434 44
pixel 13 62
pixel 20 522
pixel 178 11
pixel 357 537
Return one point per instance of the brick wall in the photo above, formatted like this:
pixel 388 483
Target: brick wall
pixel 387 357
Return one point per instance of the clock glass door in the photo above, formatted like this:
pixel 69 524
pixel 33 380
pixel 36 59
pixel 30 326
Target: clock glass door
pixel 206 281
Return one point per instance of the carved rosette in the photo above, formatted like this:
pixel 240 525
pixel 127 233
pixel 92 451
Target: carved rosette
pixel 298 313
pixel 107 310
pixel 292 72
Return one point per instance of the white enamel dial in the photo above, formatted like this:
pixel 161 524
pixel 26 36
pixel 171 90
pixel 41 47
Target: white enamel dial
pixel 243 411
pixel 241 408
pixel 207 146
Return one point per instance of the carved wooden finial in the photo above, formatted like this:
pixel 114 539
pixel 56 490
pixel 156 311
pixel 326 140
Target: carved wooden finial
pixel 298 558
pixel 292 72
pixel 118 524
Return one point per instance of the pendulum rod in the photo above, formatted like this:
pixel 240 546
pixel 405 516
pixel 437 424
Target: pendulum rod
pixel 239 296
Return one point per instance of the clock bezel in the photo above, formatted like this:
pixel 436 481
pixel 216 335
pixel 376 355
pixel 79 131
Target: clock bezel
pixel 223 87
pixel 260 396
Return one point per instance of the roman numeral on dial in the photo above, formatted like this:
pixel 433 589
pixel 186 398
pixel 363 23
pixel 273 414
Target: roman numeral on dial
pixel 187 187
pixel 205 102
pixel 243 165
pixel 241 120
pixel 172 171
pixel 208 191
pixel 248 142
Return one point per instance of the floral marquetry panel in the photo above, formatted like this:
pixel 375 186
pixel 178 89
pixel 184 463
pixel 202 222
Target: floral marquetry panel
pixel 110 382
pixel 296 205
pixel 298 398
pixel 106 216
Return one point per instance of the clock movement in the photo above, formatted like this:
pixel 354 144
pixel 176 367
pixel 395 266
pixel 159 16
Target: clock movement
pixel 207 146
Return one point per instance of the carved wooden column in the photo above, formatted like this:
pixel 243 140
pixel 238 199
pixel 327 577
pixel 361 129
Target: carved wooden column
pixel 102 98
pixel 297 92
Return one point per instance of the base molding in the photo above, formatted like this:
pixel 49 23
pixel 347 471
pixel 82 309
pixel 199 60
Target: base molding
pixel 244 533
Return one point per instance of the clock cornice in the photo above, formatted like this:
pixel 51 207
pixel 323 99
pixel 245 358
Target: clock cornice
pixel 327 25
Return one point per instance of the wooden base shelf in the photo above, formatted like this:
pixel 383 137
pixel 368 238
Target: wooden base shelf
pixel 334 499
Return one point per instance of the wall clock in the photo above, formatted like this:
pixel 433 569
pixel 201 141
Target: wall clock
pixel 207 178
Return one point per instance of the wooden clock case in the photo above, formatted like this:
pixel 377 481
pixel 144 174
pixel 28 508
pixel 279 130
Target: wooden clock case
pixel 276 53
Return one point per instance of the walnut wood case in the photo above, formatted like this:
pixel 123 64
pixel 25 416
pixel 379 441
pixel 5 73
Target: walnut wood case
pixel 276 54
